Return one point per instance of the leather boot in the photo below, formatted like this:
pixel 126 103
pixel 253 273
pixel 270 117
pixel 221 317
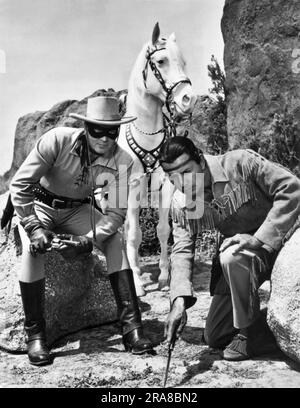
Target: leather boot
pixel 253 341
pixel 129 312
pixel 33 295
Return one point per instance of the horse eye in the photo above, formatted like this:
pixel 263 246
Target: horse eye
pixel 160 62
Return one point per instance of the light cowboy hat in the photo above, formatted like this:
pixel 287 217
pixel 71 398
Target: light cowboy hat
pixel 103 111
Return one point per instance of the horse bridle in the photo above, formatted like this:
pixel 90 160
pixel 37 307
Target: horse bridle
pixel 168 89
pixel 149 159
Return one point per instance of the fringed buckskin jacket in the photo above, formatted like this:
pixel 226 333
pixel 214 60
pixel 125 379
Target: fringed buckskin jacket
pixel 250 194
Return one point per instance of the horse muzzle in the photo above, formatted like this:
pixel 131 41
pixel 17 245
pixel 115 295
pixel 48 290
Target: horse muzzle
pixel 184 104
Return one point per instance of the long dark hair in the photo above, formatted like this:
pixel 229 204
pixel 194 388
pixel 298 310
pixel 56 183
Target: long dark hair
pixel 176 146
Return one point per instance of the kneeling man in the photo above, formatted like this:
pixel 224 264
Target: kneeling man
pixel 255 204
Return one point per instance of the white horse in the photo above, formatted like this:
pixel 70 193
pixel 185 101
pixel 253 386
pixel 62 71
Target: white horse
pixel 158 78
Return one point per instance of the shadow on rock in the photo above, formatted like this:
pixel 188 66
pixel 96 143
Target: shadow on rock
pixel 103 339
pixel 154 329
pixel 293 364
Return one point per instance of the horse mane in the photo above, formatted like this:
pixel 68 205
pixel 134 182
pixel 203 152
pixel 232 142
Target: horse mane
pixel 136 76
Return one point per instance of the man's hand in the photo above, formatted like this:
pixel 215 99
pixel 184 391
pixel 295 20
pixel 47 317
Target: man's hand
pixel 70 246
pixel 40 240
pixel 244 241
pixel 176 320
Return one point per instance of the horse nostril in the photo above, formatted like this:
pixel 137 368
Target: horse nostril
pixel 186 99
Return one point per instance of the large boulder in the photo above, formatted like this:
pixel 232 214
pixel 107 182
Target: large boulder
pixel 262 65
pixel 78 294
pixel 284 304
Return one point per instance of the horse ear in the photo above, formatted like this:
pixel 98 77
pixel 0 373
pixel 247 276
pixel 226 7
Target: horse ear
pixel 155 34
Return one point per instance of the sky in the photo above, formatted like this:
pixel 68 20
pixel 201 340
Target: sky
pixel 55 50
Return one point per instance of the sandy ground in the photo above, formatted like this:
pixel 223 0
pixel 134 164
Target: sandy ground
pixel 96 358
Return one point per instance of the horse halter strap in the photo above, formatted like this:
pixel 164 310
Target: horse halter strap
pixel 158 76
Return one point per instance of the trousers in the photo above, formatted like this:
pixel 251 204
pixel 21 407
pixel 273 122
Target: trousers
pixel 74 221
pixel 235 304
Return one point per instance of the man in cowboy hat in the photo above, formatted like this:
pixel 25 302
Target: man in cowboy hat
pixel 255 204
pixel 51 191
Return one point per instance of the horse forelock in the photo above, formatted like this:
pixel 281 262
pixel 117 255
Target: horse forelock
pixel 160 43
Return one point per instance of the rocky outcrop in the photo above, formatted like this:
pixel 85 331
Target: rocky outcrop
pixel 262 65
pixel 78 295
pixel 284 303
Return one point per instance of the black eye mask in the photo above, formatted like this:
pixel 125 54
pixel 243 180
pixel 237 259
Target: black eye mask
pixel 97 132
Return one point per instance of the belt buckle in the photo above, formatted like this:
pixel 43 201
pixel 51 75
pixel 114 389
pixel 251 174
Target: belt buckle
pixel 56 203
